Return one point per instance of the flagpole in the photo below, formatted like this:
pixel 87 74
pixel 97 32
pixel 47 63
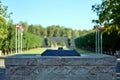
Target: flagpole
pixel 16 42
pixel 101 42
pixel 96 42
pixel 101 39
pixel 21 42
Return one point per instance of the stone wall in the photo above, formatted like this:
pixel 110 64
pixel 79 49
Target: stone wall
pixel 84 67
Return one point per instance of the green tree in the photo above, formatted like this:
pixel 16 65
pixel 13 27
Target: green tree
pixel 86 41
pixel 51 30
pixel 24 25
pixel 31 41
pixel 3 28
pixel 3 31
pixel 108 12
pixel 3 11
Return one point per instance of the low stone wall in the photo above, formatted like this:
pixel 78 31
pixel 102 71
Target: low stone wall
pixel 84 67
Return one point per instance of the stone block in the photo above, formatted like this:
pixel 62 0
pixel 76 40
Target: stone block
pixel 84 67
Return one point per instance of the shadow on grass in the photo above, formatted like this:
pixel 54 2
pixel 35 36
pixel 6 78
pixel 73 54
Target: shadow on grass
pixel 83 51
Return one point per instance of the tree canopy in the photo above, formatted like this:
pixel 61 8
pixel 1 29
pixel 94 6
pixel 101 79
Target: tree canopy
pixel 108 12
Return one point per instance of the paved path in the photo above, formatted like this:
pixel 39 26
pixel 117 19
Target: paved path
pixel 2 70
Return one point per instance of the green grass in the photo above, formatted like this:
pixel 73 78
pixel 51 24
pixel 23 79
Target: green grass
pixel 82 51
pixel 31 51
pixel 34 51
pixel 41 50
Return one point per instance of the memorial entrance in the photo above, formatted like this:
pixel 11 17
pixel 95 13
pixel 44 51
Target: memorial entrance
pixel 59 42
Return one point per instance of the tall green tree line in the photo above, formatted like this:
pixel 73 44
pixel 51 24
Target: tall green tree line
pixel 7 40
pixel 86 40
pixel 53 30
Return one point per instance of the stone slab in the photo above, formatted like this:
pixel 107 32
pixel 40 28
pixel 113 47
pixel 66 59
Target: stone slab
pixel 84 67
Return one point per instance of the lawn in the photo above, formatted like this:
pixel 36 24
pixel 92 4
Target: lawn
pixel 82 51
pixel 41 50
pixel 34 51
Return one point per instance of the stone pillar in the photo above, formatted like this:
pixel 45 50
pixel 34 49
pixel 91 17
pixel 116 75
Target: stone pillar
pixel 67 44
pixel 73 43
pixel 52 44
pixel 43 43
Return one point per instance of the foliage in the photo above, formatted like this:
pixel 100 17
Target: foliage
pixel 3 31
pixel 111 39
pixel 108 12
pixel 3 28
pixel 3 11
pixel 31 41
pixel 54 31
pixel 86 41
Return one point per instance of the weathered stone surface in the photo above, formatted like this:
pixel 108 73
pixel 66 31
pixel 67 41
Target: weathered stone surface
pixel 84 67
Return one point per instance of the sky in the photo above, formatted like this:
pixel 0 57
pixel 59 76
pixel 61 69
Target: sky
pixel 75 14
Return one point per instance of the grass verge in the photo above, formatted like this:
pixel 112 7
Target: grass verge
pixel 83 51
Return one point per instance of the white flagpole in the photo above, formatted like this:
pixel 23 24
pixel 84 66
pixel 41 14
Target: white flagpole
pixel 101 42
pixel 96 42
pixel 16 42
pixel 21 41
pixel 101 38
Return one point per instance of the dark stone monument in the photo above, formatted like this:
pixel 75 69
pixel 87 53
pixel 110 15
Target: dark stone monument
pixel 60 52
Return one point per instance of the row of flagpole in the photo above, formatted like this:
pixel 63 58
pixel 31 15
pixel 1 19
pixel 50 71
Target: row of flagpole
pixel 19 33
pixel 18 39
pixel 99 39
